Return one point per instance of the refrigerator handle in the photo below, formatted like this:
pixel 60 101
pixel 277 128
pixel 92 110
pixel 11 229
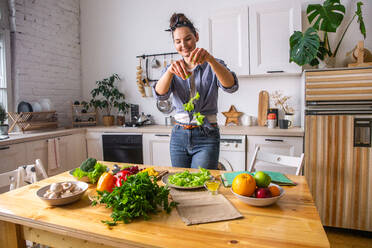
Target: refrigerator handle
pixel 362 132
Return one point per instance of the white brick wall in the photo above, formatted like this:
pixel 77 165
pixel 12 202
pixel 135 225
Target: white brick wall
pixel 47 54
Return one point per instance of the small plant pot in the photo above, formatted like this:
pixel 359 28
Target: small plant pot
pixel 120 119
pixel 108 120
pixel 4 129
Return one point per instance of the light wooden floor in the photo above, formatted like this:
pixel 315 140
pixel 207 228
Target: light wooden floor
pixel 345 238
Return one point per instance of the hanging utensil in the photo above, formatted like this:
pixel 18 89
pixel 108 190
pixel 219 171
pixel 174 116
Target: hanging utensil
pixel 165 62
pixel 155 63
pixel 140 84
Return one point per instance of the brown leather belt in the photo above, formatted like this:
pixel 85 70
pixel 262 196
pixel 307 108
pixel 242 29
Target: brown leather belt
pixel 190 126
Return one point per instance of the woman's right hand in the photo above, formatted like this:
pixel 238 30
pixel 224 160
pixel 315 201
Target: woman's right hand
pixel 178 68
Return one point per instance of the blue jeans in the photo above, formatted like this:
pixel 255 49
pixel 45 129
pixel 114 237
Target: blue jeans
pixel 193 148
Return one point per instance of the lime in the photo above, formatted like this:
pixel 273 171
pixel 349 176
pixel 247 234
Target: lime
pixel 262 179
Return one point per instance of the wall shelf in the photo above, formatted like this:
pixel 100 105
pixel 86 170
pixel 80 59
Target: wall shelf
pixel 80 119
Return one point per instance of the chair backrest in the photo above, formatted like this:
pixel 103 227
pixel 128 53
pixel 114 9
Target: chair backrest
pixel 9 179
pixel 275 162
pixel 28 174
pixel 25 174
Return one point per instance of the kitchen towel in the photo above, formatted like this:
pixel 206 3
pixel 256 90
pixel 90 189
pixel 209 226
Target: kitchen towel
pixel 276 177
pixel 197 207
pixel 53 155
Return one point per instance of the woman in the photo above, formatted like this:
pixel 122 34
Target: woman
pixel 192 145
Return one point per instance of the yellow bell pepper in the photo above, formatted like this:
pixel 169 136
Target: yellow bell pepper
pixel 150 171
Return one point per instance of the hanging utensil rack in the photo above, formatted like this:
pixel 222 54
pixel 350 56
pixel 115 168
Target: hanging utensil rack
pixel 145 56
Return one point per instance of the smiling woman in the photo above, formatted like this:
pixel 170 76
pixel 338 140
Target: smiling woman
pixel 196 78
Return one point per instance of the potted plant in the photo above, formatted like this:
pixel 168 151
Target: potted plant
pixel 281 101
pixel 110 97
pixel 308 47
pixel 3 117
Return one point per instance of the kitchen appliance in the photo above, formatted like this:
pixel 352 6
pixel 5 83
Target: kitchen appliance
pixel 134 112
pixel 165 106
pixel 122 147
pixel 338 153
pixel 232 153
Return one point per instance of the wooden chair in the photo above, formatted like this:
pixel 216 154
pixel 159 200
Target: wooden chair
pixel 275 162
pixel 25 174
pixel 9 179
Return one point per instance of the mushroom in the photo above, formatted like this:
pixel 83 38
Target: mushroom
pixel 56 187
pixel 53 195
pixel 66 186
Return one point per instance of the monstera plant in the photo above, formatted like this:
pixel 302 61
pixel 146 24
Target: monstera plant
pixel 309 47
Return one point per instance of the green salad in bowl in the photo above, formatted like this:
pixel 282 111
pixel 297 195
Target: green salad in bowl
pixel 187 179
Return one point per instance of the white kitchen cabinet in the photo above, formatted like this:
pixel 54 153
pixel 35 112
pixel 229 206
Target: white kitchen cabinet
pixel 254 39
pixel 72 151
pixel 228 38
pixel 12 156
pixel 271 24
pixel 290 146
pixel 156 149
pixel 37 150
pixel 94 145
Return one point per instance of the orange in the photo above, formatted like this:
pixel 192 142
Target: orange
pixel 274 191
pixel 244 184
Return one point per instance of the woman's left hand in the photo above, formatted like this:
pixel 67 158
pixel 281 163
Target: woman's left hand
pixel 199 56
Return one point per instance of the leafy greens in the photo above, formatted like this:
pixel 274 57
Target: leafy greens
pixel 189 107
pixel 138 197
pixel 187 179
pixel 93 175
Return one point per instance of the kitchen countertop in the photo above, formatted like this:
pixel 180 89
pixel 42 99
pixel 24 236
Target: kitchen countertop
pixel 293 221
pixel 19 137
pixel 230 130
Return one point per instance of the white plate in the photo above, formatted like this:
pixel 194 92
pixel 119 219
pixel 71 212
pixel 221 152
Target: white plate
pixel 63 200
pixel 46 104
pixel 36 107
pixel 260 202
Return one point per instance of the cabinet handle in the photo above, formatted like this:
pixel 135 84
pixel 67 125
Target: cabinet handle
pixel 274 71
pixel 274 140
pixel 4 147
pixel 162 135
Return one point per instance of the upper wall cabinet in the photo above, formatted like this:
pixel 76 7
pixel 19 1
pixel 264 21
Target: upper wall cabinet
pixel 271 24
pixel 259 44
pixel 228 38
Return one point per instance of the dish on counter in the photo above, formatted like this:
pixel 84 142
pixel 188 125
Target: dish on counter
pixel 165 180
pixel 24 107
pixel 36 107
pixel 83 179
pixel 260 202
pixel 62 193
pixel 46 104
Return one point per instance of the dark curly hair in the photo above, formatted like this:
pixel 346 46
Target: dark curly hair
pixel 180 20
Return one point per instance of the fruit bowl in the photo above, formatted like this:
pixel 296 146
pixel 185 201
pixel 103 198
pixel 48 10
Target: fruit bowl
pixel 260 202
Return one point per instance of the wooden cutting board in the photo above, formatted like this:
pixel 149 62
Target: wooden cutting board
pixel 263 105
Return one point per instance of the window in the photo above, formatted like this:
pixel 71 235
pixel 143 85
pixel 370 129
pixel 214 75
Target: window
pixel 5 89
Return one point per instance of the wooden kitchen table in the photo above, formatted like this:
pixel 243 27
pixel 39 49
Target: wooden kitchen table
pixel 292 222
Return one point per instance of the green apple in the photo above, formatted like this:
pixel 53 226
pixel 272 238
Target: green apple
pixel 262 179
